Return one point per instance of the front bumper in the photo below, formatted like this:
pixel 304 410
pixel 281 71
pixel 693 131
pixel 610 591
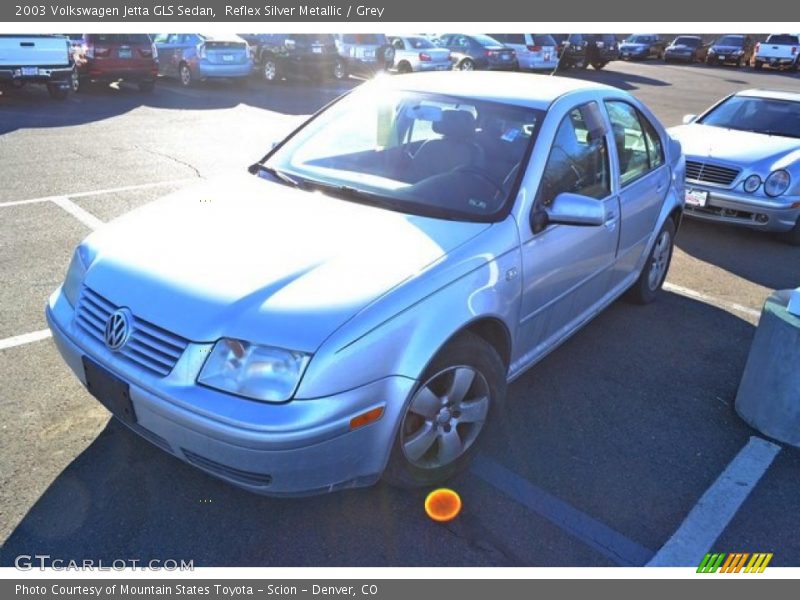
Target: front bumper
pixel 740 208
pixel 299 447
pixel 48 74
pixel 679 56
pixel 633 54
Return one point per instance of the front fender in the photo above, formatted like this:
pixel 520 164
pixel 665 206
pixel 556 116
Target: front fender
pixel 375 345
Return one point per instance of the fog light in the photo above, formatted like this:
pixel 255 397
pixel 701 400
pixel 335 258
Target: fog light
pixel 752 183
pixel 366 418
pixel 762 218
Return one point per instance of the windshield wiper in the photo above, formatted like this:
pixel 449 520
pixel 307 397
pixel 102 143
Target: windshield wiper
pixel 280 175
pixel 348 192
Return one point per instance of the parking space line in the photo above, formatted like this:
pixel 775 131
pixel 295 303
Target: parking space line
pixel 124 188
pixel 717 507
pixel 611 544
pixel 25 338
pixel 83 215
pixel 718 302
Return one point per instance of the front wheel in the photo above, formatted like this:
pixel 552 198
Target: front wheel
pixel 460 393
pixel 340 70
pixel 185 74
pixel 654 272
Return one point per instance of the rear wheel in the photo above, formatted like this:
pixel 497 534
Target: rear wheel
pixel 460 393
pixel 340 70
pixel 757 65
pixel 466 65
pixel 185 74
pixel 598 65
pixel 270 70
pixel 404 67
pixel 75 80
pixel 654 272
pixel 57 91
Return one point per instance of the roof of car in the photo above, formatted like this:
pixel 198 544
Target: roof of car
pixel 523 89
pixel 776 94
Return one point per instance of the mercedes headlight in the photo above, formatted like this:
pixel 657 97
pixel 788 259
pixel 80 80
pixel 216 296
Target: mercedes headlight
pixel 258 372
pixel 777 183
pixel 75 274
pixel 751 183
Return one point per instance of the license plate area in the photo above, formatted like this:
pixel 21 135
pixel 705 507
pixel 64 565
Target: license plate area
pixel 30 71
pixel 110 390
pixel 125 53
pixel 696 198
pixel 227 57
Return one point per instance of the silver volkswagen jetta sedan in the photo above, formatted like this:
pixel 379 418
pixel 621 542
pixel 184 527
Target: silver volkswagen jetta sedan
pixel 356 305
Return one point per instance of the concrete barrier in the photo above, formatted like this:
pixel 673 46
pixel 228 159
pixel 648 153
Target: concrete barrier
pixel 769 393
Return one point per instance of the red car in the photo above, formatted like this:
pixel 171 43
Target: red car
pixel 111 57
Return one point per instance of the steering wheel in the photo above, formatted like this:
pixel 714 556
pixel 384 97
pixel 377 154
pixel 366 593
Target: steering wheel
pixel 480 174
pixel 580 174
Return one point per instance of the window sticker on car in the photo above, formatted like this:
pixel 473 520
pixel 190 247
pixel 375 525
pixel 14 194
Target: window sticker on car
pixel 511 134
pixel 477 203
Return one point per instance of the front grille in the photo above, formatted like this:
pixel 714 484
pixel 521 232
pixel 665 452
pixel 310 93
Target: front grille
pixel 710 173
pixel 245 477
pixel 150 347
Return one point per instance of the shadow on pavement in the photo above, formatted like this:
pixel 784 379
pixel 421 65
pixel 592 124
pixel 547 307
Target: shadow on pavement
pixel 629 421
pixel 608 76
pixel 756 256
pixel 31 106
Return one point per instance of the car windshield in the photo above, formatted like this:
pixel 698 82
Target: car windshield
pixel 761 115
pixel 371 39
pixel 426 154
pixel 686 41
pixel 419 43
pixel 730 40
pixel 543 40
pixel 639 39
pixel 783 39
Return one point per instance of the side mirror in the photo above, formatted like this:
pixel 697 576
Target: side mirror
pixel 570 209
pixel 675 149
pixel 689 119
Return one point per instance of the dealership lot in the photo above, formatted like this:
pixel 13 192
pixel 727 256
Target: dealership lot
pixel 608 444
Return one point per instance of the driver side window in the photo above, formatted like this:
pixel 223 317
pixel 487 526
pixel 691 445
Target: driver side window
pixel 578 163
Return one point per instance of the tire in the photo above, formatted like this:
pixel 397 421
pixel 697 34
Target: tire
pixel 431 444
pixel 57 92
pixel 404 68
pixel 340 70
pixel 466 65
pixel 270 69
pixel 185 75
pixel 757 65
pixel 598 65
pixel 654 272
pixel 739 63
pixel 791 237
pixel 147 86
pixel 75 80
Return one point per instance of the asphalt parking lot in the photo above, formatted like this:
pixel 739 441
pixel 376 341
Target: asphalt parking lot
pixel 608 445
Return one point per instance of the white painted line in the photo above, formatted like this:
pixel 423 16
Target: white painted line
pixel 25 338
pixel 712 513
pixel 84 216
pixel 718 302
pixel 124 188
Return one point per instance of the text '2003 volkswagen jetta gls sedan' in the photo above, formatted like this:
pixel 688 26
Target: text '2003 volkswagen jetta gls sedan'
pixel 357 304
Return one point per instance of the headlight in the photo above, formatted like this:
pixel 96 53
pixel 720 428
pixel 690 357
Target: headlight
pixel 777 183
pixel 75 274
pixel 751 183
pixel 258 372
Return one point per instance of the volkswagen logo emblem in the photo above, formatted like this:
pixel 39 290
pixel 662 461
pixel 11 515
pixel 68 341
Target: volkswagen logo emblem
pixel 118 329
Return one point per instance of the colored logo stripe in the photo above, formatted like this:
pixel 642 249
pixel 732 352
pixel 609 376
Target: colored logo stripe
pixel 734 562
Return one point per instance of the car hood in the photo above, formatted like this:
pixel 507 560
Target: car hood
pixel 744 148
pixel 260 261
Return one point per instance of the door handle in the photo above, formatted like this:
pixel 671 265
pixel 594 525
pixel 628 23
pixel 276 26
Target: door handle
pixel 611 220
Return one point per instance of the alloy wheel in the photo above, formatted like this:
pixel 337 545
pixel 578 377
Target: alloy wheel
pixel 270 70
pixel 660 260
pixel 445 417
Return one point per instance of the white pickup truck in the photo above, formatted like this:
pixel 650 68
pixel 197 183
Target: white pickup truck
pixel 43 59
pixel 780 50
